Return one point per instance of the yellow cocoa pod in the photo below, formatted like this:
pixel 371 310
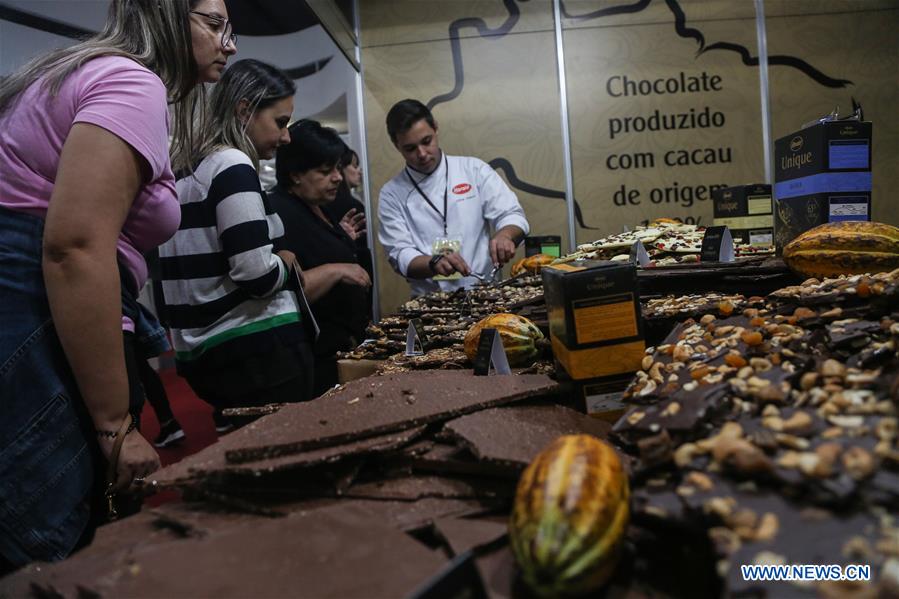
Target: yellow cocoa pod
pixel 844 248
pixel 569 518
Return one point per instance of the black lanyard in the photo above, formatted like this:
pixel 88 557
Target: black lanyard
pixel 428 200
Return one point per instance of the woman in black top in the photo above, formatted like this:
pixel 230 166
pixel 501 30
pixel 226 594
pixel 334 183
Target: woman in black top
pixel 347 198
pixel 348 210
pixel 336 286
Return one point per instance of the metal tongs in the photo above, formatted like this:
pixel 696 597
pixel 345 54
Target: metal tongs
pixel 857 115
pixel 489 279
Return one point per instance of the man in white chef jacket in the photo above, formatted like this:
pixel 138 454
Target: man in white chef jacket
pixel 435 217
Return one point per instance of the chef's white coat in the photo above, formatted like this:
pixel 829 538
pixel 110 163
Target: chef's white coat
pixel 478 200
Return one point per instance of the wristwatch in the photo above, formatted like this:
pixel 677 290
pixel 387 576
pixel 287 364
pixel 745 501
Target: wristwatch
pixel 432 263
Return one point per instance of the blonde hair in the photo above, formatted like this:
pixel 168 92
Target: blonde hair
pixel 253 81
pixel 154 33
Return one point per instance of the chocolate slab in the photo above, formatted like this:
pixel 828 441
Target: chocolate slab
pixel 499 574
pixel 309 554
pixel 444 458
pixel 804 424
pixel 259 505
pixel 441 358
pixel 749 277
pixel 429 447
pixel 420 447
pixel 371 445
pixel 199 518
pixel 414 487
pixel 843 292
pixel 854 334
pixel 321 481
pixel 380 405
pixel 110 549
pixel 693 408
pixel 211 460
pixel 661 504
pixel 462 534
pixel 514 436
pixel 403 515
pixel 734 517
pixel 115 544
pixel 664 563
pixel 485 541
pixel 768 527
pixel 410 516
pixel 808 537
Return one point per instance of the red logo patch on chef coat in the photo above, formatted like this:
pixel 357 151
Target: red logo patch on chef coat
pixel 461 188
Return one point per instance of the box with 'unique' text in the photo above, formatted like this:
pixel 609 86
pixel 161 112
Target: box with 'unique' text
pixel 747 211
pixel 821 174
pixel 594 317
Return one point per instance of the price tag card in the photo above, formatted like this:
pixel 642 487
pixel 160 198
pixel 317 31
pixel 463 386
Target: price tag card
pixel 416 341
pixel 491 355
pixel 639 255
pixel 717 245
pixel 449 244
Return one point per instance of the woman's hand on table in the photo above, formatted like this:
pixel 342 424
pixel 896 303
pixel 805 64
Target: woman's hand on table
pixel 137 458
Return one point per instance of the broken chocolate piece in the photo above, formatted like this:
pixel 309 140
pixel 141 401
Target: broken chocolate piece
pixel 211 460
pixel 440 395
pixel 514 436
pixel 414 487
pixel 464 534
pixel 383 561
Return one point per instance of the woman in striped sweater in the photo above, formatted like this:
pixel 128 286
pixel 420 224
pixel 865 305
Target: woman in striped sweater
pixel 235 319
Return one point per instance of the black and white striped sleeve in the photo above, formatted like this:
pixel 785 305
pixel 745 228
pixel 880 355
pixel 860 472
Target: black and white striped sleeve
pixel 246 231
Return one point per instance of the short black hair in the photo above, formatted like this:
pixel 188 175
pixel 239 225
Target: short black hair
pixel 406 113
pixel 311 146
pixel 347 158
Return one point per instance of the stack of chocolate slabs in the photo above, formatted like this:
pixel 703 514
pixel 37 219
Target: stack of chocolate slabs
pixel 768 430
pixel 388 478
pixel 667 242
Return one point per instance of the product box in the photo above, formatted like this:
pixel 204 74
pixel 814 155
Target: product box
pixel 551 245
pixel 821 174
pixel 600 397
pixel 747 211
pixel 594 318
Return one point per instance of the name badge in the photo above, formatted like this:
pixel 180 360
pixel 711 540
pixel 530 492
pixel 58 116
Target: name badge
pixel 447 245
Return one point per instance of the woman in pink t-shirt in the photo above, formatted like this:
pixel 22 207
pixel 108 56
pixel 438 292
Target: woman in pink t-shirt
pixel 86 189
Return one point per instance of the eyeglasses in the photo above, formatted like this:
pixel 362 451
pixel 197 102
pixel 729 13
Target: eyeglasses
pixel 225 24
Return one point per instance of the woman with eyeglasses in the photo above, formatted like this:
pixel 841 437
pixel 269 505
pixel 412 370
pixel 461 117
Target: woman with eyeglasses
pixel 229 292
pixel 87 189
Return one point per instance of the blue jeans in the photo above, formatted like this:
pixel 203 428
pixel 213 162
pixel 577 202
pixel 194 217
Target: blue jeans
pixel 48 453
pixel 149 335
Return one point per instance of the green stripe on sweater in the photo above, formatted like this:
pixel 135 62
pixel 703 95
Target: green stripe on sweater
pixel 247 329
